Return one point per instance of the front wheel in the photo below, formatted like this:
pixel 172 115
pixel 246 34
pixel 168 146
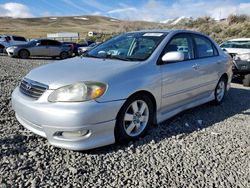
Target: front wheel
pixel 220 90
pixel 134 118
pixel 24 54
pixel 2 49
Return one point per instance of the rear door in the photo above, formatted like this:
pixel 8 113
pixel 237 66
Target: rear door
pixel 54 47
pixel 179 79
pixel 209 63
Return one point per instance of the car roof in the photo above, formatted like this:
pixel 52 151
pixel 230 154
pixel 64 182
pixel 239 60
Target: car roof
pixel 167 31
pixel 240 39
pixel 45 39
pixel 6 35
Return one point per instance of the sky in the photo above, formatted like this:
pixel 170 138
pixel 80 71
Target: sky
pixel 147 10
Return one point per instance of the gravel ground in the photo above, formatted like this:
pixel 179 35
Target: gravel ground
pixel 208 146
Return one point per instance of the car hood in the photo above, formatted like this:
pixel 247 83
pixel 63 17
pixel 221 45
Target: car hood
pixel 78 69
pixel 237 50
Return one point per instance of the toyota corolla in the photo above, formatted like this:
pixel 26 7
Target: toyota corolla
pixel 121 87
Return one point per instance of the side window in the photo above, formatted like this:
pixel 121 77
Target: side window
pixel 53 43
pixel 7 38
pixel 44 42
pixel 204 47
pixel 181 43
pixel 19 38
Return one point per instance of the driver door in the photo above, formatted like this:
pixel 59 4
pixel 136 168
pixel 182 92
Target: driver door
pixel 179 78
pixel 40 49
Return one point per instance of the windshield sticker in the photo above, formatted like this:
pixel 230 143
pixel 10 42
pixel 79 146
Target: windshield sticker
pixel 153 34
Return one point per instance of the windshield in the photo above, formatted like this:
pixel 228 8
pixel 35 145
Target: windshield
pixel 236 44
pixel 32 42
pixel 136 46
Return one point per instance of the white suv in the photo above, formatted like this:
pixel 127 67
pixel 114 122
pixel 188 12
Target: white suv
pixel 239 49
pixel 236 46
pixel 9 40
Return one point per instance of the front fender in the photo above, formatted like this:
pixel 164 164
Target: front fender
pixel 142 78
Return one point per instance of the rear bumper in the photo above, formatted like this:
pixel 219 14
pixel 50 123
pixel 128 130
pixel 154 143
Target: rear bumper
pixel 48 119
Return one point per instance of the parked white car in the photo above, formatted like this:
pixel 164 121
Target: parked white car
pixel 239 49
pixel 10 40
pixel 236 46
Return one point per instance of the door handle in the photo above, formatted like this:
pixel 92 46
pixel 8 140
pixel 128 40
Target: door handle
pixel 195 66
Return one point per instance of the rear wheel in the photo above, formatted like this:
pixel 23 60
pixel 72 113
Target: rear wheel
pixel 134 118
pixel 1 49
pixel 64 55
pixel 246 80
pixel 220 90
pixel 24 54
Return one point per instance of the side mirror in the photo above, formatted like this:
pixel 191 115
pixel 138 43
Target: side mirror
pixel 173 56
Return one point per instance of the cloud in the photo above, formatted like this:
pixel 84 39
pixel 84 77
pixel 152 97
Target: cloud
pixel 75 5
pixel 122 10
pixel 97 5
pixel 153 10
pixel 15 10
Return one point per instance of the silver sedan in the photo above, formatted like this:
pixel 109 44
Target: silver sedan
pixel 122 87
pixel 40 48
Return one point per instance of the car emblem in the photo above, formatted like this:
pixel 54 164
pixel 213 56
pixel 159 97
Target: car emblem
pixel 28 86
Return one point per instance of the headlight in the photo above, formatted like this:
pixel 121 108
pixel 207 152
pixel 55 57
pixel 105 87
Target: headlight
pixel 243 57
pixel 82 91
pixel 13 47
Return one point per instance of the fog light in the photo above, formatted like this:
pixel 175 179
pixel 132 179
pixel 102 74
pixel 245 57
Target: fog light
pixel 74 134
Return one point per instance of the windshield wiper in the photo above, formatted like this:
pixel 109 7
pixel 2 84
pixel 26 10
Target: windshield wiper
pixel 118 57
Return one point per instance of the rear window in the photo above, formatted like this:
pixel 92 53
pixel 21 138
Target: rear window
pixel 236 44
pixel 19 38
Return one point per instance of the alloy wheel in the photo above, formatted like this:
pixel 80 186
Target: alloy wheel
pixel 220 91
pixel 136 118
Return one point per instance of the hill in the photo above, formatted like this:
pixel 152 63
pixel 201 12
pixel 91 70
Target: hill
pixel 232 27
pixel 39 27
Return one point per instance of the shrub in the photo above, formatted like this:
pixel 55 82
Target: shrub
pixel 237 18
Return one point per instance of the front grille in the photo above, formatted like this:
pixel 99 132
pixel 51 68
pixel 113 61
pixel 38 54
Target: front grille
pixel 32 88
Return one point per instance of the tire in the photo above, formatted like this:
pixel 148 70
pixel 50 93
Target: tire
pixel 24 54
pixel 132 124
pixel 2 49
pixel 64 55
pixel 220 91
pixel 246 80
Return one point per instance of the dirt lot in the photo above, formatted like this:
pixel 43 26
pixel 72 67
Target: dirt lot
pixel 181 152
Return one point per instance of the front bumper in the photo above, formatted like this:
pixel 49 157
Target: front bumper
pixel 241 67
pixel 47 119
pixel 12 52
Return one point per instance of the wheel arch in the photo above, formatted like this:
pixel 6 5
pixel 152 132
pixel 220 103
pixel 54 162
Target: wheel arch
pixel 224 76
pixel 23 49
pixel 150 95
